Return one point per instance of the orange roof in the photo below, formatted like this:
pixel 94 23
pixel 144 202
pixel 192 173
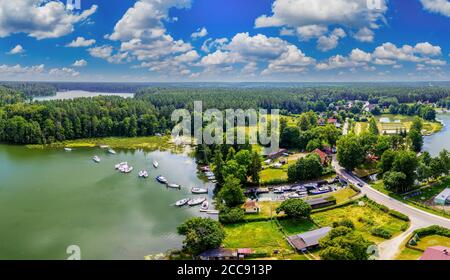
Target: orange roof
pixel 250 204
pixel 322 155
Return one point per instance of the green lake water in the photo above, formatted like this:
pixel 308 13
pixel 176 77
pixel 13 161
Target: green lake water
pixel 50 199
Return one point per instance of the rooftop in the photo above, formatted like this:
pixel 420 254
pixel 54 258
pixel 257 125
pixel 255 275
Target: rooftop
pixel 436 253
pixel 308 239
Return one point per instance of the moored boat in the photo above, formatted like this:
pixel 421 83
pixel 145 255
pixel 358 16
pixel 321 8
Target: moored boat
pixel 96 159
pixel 173 186
pixel 143 174
pixel 182 202
pixel 112 152
pixel 199 190
pixel 278 190
pixel 68 149
pixel 196 201
pixel 117 166
pixel 161 179
pixel 155 164
pixel 205 206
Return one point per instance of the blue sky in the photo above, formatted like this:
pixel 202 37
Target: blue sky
pixel 225 40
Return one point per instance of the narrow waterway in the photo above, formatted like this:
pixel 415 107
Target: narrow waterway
pixel 435 143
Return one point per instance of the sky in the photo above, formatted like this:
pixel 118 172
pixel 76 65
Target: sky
pixel 225 40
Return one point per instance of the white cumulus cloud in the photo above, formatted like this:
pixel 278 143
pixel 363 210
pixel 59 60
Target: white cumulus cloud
pixel 81 42
pixel 437 6
pixel 79 63
pixel 200 33
pixel 17 50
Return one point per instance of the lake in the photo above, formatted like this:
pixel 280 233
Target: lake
pixel 441 140
pixel 71 94
pixel 50 199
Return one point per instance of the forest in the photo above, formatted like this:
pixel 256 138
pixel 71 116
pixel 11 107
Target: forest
pixel 23 121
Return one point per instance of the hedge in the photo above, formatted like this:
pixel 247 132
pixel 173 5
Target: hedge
pixel 381 232
pixel 431 230
pixel 398 215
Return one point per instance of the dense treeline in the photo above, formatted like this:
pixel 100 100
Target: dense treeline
pixel 46 122
pixel 30 90
pixel 292 100
pixel 9 96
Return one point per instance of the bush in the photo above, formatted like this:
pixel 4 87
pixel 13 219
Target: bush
pixel 231 215
pixel 381 232
pixel 345 223
pixel 398 215
pixel 421 232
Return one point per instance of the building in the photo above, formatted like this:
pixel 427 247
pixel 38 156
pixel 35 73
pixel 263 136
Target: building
pixel 436 253
pixel 308 239
pixel 321 202
pixel 323 156
pixel 277 154
pixel 219 254
pixel 443 198
pixel 251 207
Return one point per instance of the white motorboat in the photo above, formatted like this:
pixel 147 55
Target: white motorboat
pixel 294 195
pixel 104 146
pixel 121 164
pixel 173 186
pixel 205 206
pixel 155 164
pixel 196 201
pixel 161 179
pixel 128 169
pixel 68 149
pixel 182 202
pixel 112 152
pixel 143 174
pixel 278 190
pixel 96 159
pixel 199 190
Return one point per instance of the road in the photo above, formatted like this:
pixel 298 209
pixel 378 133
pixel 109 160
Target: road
pixel 419 218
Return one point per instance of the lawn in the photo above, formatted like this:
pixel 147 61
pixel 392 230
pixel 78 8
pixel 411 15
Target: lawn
pixel 260 236
pixel 292 227
pixel 406 122
pixel 422 245
pixel 365 218
pixel 146 143
pixel 271 174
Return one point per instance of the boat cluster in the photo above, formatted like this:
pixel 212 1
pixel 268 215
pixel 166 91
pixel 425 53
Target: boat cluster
pixel 301 191
pixel 210 175
pixel 123 167
pixel 193 202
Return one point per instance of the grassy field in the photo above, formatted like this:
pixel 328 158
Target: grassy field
pixel 260 236
pixel 292 227
pixel 146 143
pixel 270 174
pixel 422 245
pixel 365 219
pixel 406 122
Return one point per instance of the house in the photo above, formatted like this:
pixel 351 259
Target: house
pixel 323 156
pixel 332 120
pixel 219 254
pixel 243 252
pixel 251 207
pixel 321 122
pixel 321 202
pixel 436 253
pixel 443 198
pixel 276 154
pixel 306 240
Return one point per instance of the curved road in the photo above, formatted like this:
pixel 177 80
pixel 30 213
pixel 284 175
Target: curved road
pixel 419 218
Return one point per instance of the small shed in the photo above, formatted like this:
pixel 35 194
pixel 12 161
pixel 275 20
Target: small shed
pixel 308 239
pixel 321 202
pixel 251 207
pixel 443 198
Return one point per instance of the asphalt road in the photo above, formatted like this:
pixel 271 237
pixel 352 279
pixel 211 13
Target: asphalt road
pixel 419 218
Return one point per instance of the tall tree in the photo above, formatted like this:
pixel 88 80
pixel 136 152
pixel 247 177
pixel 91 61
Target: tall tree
pixel 350 152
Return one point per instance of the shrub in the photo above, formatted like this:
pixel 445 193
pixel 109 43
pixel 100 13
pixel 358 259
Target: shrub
pixel 381 232
pixel 398 215
pixel 421 232
pixel 231 215
pixel 345 223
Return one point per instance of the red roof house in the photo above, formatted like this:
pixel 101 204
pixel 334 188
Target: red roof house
pixel 438 253
pixel 323 156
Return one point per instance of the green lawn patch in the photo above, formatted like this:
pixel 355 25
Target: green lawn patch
pixel 365 218
pixel 292 227
pixel 260 236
